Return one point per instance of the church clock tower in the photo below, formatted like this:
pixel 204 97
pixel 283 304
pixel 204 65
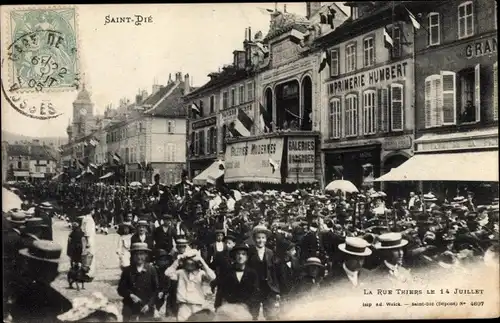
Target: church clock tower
pixel 83 111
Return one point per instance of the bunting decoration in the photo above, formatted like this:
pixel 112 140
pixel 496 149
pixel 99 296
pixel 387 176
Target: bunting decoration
pixel 325 60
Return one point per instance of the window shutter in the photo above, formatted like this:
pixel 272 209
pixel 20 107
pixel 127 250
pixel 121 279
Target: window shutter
pixel 449 101
pixel 202 142
pixel 383 104
pixel 396 107
pixel 428 104
pixel 437 97
pixel 477 90
pixel 331 119
pixel 495 90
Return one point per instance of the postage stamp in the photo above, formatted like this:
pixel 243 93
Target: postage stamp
pixel 40 57
pixel 42 51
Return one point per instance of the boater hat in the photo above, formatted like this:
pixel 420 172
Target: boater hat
pixel 44 250
pixel 313 261
pixel 142 223
pixel 355 246
pixel 391 240
pixel 139 246
pixel 261 229
pixel 17 217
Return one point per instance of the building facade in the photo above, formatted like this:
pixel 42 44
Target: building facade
pixel 457 88
pixel 367 94
pixel 29 161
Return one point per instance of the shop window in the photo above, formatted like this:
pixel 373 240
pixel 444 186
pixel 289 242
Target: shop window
pixel 397 107
pixel 351 115
pixel 369 52
pixel 334 62
pixel 434 29
pixel 465 20
pixel 224 100
pixel 335 118
pixel 233 97
pixel 369 112
pixel 212 104
pixel 249 91
pixel 241 93
pixel 350 58
pixel 470 95
pixel 495 91
pixel 440 99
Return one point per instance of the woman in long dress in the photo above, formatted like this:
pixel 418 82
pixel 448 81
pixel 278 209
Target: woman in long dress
pixel 88 228
pixel 124 242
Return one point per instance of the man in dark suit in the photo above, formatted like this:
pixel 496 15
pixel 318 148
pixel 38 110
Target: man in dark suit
pixel 391 245
pixel 164 235
pixel 350 274
pixel 262 260
pixel 239 284
pixel 312 244
pixel 288 269
pixel 215 248
pixel 142 234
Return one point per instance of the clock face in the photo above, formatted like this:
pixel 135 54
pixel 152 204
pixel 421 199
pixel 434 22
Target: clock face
pixel 83 111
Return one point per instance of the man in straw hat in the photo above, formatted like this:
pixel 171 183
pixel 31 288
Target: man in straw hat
pixel 262 260
pixel 350 272
pixel 239 284
pixel 142 234
pixel 390 245
pixel 138 285
pixel 34 299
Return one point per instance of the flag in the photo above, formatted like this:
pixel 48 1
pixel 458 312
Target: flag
pixel 93 166
pixel 94 142
pixel 242 125
pixel 388 41
pixel 265 119
pixel 274 165
pixel 413 20
pixel 116 158
pixel 331 16
pixel 195 108
pixel 325 60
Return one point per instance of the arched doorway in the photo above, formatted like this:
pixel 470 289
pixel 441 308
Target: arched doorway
pixel 396 190
pixel 306 91
pixel 288 105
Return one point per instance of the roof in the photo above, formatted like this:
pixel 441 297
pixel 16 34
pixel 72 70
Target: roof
pixel 172 105
pixel 83 96
pixel 153 98
pixel 283 22
pixel 17 150
pixel 228 76
pixel 34 151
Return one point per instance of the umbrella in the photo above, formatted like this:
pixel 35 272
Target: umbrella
pixel 342 185
pixel 135 184
pixel 10 200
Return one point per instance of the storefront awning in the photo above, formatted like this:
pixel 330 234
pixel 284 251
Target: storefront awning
pixel 213 172
pixel 107 175
pixel 464 166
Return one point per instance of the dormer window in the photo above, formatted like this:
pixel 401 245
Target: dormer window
pixel 354 13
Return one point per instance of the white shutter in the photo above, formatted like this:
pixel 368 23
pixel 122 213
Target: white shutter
pixel 449 102
pixel 428 103
pixel 477 91
pixel 437 97
pixel 396 107
pixel 495 90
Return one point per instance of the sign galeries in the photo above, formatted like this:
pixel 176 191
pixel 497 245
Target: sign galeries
pixel 249 161
pixel 301 158
pixel 370 78
pixel 231 114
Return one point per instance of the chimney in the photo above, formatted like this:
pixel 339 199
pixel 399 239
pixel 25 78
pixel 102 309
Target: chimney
pixel 156 88
pixel 187 88
pixel 249 33
pixel 138 99
pixel 178 77
pixel 169 78
pixel 312 8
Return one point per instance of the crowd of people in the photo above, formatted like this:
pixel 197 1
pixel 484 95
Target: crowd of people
pixel 259 249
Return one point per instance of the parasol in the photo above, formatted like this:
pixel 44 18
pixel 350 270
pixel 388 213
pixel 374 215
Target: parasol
pixel 135 184
pixel 10 200
pixel 342 185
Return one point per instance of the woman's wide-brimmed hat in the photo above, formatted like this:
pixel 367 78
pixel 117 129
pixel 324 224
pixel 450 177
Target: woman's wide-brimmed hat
pixel 139 246
pixel 44 250
pixel 313 262
pixel 261 229
pixel 392 240
pixel 355 246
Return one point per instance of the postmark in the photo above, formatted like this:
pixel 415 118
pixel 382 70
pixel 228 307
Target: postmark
pixel 39 59
pixel 42 52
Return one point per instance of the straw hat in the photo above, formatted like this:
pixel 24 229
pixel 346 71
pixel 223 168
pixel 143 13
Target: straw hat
pixel 391 240
pixel 355 246
pixel 261 229
pixel 17 217
pixel 142 223
pixel 430 197
pixel 46 206
pixel 44 250
pixel 313 262
pixel 139 246
pixel 447 260
pixel 181 241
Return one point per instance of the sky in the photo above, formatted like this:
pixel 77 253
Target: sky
pixel 119 59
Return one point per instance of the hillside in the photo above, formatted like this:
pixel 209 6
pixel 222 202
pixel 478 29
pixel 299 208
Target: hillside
pixel 13 137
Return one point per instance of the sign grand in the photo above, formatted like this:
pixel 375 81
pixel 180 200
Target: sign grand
pixel 371 77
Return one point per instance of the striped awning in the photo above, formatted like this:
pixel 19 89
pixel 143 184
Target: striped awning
pixel 107 175
pixel 212 173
